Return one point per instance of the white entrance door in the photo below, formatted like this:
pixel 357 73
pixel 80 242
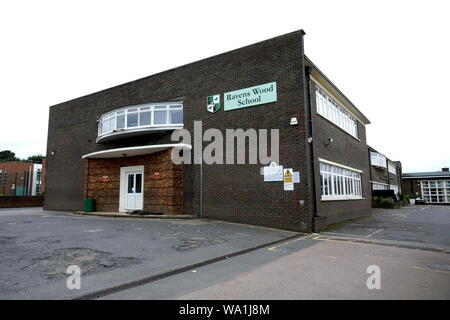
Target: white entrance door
pixel 131 188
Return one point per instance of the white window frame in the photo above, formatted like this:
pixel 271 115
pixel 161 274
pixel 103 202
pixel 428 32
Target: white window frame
pixel 339 182
pixel 377 159
pixel 392 168
pixel 379 186
pixel 394 188
pixel 433 191
pixel 109 119
pixel 331 110
pixel 385 186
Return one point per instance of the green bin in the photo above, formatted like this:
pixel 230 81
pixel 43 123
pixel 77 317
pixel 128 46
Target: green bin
pixel 89 205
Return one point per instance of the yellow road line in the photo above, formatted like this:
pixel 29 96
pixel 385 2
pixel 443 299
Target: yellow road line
pixel 355 241
pixel 288 242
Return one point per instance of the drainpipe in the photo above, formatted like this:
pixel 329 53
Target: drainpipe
pixel 201 189
pixel 25 182
pixel 370 173
pixel 15 184
pixel 87 178
pixel 387 172
pixel 30 180
pixel 311 144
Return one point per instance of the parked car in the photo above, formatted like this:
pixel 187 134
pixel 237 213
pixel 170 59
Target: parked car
pixel 420 200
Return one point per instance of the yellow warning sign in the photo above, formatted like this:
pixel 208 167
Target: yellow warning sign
pixel 288 178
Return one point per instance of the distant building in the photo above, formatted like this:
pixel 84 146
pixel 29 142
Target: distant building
pixel 21 178
pixel 385 174
pixel 434 187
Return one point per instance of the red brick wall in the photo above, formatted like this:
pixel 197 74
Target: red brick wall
pixel 43 174
pixel 21 201
pixel 163 194
pixel 14 167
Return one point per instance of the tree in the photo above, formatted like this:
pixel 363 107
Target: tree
pixel 8 155
pixel 37 158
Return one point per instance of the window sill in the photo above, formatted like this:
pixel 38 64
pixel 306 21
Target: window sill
pixel 341 199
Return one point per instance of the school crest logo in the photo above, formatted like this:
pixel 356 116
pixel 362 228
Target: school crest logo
pixel 213 103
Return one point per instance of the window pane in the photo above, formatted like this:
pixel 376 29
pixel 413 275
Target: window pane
pixel 138 183
pixel 325 184
pixel 145 118
pixel 121 121
pixel 321 181
pixel 160 117
pixel 112 124
pixel 105 124
pixel 132 120
pixel 176 116
pixel 130 183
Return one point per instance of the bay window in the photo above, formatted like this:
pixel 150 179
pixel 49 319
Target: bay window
pixel 164 116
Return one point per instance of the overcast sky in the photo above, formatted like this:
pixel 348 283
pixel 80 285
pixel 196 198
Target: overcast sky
pixel 391 58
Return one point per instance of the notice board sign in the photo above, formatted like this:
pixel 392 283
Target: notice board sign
pixel 288 179
pixel 273 173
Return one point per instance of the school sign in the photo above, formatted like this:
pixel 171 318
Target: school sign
pixel 248 97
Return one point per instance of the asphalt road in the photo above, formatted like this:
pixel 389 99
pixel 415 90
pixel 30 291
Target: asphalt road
pixel 37 246
pixel 410 246
pixel 331 269
pixel 421 225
